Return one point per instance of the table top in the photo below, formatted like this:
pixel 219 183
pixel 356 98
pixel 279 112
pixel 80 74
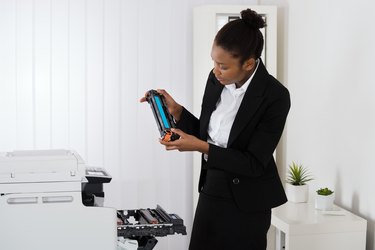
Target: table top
pixel 303 218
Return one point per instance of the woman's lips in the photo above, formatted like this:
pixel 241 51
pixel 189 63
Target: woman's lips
pixel 219 79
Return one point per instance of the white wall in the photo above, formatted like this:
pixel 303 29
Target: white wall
pixel 71 72
pixel 330 47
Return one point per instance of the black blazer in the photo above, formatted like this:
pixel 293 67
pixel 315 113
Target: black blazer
pixel 248 159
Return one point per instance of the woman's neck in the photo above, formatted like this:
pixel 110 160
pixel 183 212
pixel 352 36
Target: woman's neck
pixel 247 76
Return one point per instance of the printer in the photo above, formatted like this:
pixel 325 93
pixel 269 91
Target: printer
pixel 50 199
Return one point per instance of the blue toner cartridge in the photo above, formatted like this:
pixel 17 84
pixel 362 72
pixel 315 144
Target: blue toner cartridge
pixel 163 118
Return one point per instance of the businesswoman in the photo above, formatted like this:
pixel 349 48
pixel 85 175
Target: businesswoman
pixel 244 110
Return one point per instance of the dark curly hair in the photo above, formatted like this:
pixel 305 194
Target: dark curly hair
pixel 242 37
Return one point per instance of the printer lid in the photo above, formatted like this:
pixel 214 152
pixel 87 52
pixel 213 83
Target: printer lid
pixel 41 166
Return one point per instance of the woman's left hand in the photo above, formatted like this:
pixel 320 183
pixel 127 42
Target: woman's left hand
pixel 186 142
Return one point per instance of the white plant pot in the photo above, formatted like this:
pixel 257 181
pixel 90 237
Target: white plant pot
pixel 297 194
pixel 324 202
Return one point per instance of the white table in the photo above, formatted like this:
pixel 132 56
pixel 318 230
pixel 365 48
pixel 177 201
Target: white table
pixel 299 226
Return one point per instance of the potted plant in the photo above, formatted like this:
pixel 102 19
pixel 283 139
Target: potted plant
pixel 296 187
pixel 324 199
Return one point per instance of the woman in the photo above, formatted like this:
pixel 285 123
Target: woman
pixel 243 114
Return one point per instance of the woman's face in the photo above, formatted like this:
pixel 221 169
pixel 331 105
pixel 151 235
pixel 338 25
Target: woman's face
pixel 228 69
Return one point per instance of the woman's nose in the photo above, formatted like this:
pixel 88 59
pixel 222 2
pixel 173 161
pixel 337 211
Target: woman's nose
pixel 216 71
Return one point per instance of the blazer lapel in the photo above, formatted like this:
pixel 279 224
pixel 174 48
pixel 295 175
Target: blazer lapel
pixel 250 103
pixel 211 96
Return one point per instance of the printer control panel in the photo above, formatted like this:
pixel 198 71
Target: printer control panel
pixel 97 175
pixel 92 190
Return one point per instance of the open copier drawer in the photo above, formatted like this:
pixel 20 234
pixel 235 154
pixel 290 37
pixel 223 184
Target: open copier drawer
pixel 49 199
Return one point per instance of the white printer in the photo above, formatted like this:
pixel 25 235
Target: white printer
pixel 42 207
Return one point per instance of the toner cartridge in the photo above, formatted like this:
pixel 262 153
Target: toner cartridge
pixel 163 118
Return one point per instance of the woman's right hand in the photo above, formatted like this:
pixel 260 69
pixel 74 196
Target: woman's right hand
pixel 174 108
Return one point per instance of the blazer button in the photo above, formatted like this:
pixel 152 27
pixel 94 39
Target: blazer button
pixel 236 180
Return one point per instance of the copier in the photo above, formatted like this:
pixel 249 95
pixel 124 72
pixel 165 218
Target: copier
pixel 50 199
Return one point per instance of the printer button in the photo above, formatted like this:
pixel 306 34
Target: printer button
pixel 236 181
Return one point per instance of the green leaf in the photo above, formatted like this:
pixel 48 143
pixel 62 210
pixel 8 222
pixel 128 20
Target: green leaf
pixel 324 191
pixel 298 175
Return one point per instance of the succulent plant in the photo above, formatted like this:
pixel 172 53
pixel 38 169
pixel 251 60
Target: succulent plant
pixel 324 191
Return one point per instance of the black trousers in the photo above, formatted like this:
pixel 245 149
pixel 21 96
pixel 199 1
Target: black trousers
pixel 220 225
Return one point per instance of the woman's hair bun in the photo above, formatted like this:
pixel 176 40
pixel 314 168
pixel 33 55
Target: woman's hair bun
pixel 252 19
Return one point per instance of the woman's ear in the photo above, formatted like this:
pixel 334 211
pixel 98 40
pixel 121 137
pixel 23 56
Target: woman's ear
pixel 249 64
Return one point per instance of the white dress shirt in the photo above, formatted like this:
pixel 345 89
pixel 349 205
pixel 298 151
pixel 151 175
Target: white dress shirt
pixel 222 117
